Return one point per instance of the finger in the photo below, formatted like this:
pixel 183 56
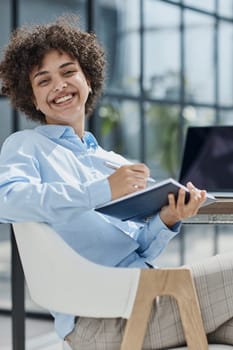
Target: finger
pixel 171 201
pixel 141 169
pixel 138 178
pixel 181 198
pixel 137 182
pixel 195 193
pixel 139 185
pixel 193 189
pixel 197 197
pixel 203 196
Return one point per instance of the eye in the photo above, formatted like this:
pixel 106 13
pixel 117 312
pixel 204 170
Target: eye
pixel 43 82
pixel 69 72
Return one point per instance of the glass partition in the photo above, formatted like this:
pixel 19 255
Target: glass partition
pixel 118 27
pixel 5 23
pixel 162 41
pixel 198 116
pixel 162 139
pixel 207 5
pixel 120 127
pixel 225 8
pixel 6 122
pixel 199 53
pixel 25 123
pixel 43 11
pixel 225 116
pixel 225 53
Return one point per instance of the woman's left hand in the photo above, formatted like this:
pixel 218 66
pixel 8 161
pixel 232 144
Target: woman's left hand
pixel 178 210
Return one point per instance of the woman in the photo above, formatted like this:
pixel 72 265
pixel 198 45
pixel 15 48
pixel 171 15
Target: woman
pixel 56 174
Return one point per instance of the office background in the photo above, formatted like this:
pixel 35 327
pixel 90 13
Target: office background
pixel 169 66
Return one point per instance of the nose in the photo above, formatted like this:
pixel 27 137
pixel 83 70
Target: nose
pixel 59 86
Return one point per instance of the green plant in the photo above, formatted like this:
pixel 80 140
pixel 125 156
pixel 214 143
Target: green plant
pixel 163 126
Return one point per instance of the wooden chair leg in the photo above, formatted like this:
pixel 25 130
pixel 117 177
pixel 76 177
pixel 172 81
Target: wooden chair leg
pixel 136 326
pixel 174 282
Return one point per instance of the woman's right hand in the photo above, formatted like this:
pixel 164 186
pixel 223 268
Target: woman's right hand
pixel 128 179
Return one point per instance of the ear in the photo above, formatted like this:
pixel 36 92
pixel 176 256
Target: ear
pixel 89 85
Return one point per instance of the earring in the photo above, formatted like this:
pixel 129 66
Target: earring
pixel 90 90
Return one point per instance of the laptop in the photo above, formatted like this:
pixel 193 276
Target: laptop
pixel 208 159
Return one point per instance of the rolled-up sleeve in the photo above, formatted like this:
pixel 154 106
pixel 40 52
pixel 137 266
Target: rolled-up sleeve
pixel 24 195
pixel 154 236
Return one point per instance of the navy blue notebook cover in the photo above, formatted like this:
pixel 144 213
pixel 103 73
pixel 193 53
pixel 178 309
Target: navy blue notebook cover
pixel 140 205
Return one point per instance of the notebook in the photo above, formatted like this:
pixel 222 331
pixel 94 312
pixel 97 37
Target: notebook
pixel 208 159
pixel 141 205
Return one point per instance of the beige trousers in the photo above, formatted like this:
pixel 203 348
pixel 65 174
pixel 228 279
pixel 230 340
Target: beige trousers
pixel 214 283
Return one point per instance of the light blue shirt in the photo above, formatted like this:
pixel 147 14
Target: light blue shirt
pixel 50 175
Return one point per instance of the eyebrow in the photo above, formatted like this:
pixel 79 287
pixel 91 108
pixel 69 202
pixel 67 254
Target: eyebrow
pixel 46 72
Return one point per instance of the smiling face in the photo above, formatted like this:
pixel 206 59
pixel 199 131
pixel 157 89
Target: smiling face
pixel 61 90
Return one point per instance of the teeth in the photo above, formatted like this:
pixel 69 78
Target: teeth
pixel 63 99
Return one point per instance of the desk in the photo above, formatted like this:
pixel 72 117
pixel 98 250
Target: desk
pixel 219 212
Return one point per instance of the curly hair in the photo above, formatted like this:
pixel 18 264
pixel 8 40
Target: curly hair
pixel 26 50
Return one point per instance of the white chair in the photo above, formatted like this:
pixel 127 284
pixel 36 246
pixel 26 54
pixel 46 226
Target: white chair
pixel 49 265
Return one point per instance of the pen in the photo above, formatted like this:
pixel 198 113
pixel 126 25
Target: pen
pixel 117 166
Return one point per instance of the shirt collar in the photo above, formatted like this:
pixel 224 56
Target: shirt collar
pixel 64 131
pixel 54 131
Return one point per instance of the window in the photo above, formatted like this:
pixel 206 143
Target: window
pixel 167 56
pixel 169 66
pixel 199 83
pixel 162 41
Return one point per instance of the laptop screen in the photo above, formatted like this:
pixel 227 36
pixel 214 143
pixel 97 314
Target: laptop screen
pixel 208 158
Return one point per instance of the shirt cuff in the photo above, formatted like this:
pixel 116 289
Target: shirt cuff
pixel 163 237
pixel 99 192
pixel 156 224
